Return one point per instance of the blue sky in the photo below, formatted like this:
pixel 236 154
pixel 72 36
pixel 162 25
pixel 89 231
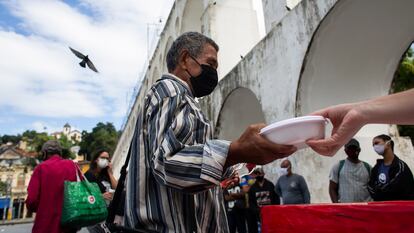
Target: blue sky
pixel 43 87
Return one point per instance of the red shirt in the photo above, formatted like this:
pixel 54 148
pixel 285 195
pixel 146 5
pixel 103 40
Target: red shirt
pixel 45 193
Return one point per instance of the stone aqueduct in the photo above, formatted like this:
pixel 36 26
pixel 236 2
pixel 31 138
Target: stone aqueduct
pixel 319 53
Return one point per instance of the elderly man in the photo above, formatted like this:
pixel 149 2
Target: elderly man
pixel 175 166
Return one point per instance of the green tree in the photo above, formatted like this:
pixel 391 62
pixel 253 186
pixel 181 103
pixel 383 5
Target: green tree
pixel 103 136
pixel 404 80
pixel 29 134
pixel 66 145
pixel 38 141
pixel 11 138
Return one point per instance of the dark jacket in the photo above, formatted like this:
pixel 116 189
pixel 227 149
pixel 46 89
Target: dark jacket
pixel 400 186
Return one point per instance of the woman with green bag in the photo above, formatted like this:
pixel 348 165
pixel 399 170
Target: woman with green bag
pixel 45 190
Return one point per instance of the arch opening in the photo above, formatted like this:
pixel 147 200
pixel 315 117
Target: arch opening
pixel 191 19
pixel 240 109
pixel 353 56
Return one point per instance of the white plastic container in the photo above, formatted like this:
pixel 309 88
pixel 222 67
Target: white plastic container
pixel 296 131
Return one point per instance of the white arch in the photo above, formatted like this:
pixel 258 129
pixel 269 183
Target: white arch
pixel 355 52
pixel 191 19
pixel 240 109
pixel 353 56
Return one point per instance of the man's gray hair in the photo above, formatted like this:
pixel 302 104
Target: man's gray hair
pixel 193 42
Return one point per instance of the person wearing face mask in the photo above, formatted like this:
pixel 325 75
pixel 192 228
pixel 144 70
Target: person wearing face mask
pixel 348 179
pixel 291 187
pixel 391 178
pixel 261 193
pixel 100 172
pixel 175 165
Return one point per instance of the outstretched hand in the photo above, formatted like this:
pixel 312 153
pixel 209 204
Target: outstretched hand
pixel 252 147
pixel 346 119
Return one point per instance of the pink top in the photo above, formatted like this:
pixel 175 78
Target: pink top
pixel 45 193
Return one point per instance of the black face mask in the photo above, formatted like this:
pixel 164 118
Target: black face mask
pixel 259 178
pixel 205 82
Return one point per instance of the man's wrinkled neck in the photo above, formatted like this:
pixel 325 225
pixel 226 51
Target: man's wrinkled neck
pixel 182 76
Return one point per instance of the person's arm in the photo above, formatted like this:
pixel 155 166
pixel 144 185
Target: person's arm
pixel 333 191
pixel 304 190
pixel 373 191
pixel 252 198
pixel 233 196
pixel 278 190
pixel 237 196
pixel 333 183
pixel 226 195
pixel 33 191
pixel 112 179
pixel 348 119
pixel 274 198
pixel 180 164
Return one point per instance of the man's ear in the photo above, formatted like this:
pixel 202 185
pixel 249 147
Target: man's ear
pixel 182 59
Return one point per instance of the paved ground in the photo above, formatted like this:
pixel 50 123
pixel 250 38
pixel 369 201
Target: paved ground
pixel 17 228
pixel 23 228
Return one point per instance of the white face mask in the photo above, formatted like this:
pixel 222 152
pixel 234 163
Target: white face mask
pixel 102 163
pixel 283 171
pixel 380 149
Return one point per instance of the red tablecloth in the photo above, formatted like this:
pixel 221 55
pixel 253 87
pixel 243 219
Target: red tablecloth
pixel 375 217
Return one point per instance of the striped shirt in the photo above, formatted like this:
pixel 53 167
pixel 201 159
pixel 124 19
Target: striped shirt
pixel 175 167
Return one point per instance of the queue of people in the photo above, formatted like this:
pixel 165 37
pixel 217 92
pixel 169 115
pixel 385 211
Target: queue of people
pixel 351 180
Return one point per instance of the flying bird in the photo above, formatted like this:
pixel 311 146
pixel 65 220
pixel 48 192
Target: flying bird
pixel 85 60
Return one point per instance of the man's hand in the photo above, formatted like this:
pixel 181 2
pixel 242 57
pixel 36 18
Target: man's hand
pixel 251 147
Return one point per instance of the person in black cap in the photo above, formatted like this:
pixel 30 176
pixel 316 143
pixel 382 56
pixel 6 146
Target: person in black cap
pixel 348 180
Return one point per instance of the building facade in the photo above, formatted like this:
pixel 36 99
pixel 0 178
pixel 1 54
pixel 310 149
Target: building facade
pixel 16 168
pixel 73 135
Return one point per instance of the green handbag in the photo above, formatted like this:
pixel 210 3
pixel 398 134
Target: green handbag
pixel 83 204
